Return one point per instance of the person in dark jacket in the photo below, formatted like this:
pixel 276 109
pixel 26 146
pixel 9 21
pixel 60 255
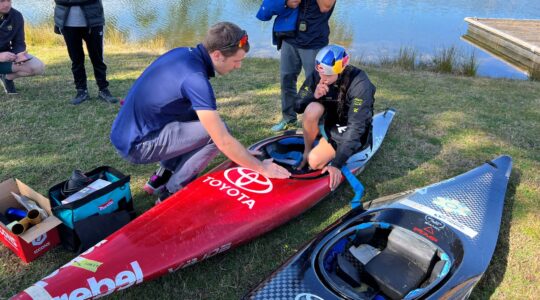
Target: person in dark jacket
pixel 340 97
pixel 78 21
pixel 15 62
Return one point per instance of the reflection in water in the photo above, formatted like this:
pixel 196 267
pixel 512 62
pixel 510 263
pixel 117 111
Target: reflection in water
pixel 369 28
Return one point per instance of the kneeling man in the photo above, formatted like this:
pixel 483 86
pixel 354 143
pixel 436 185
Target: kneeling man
pixel 169 114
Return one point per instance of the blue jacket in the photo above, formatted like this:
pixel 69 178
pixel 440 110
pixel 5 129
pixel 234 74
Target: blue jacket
pixel 285 22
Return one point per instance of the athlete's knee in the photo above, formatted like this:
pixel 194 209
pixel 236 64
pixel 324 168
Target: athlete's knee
pixel 315 161
pixel 313 112
pixel 38 68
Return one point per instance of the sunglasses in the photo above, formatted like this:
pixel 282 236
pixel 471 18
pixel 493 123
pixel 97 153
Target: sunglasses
pixel 240 44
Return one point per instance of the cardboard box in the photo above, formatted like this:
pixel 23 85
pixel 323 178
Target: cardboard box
pixel 39 238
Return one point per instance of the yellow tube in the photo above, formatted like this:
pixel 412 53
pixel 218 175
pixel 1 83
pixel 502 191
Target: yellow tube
pixel 21 226
pixel 34 216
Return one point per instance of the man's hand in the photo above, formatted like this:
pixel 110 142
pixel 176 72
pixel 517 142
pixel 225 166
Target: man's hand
pixel 321 89
pixel 334 175
pixel 271 170
pixel 304 161
pixel 7 56
pixel 293 3
pixel 21 57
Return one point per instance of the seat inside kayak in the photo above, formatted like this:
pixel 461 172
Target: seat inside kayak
pixel 288 152
pixel 381 260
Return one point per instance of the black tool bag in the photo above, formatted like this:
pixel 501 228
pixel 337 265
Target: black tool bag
pixel 98 214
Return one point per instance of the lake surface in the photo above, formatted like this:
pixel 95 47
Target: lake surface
pixel 369 29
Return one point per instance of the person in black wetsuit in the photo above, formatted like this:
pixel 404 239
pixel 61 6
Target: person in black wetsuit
pixel 337 102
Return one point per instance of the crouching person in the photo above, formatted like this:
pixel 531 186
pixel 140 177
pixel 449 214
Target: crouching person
pixel 170 114
pixel 15 62
pixel 337 102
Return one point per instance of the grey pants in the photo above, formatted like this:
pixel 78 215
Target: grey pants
pixel 185 148
pixel 292 61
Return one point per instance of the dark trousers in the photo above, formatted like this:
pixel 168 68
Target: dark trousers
pixel 93 37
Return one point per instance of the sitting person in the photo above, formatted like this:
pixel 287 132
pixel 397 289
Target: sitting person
pixel 169 114
pixel 340 98
pixel 14 61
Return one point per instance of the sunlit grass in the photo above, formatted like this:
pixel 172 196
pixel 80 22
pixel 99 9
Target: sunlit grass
pixel 444 126
pixel 445 60
pixel 44 35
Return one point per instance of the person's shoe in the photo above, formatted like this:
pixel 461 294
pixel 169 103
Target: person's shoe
pixel 284 125
pixel 9 85
pixel 106 96
pixel 157 181
pixel 82 95
pixel 163 195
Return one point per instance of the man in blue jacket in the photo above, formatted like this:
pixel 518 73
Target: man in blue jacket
pixel 285 22
pixel 15 62
pixel 298 50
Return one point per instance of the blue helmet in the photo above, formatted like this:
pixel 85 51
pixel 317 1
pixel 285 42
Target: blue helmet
pixel 331 60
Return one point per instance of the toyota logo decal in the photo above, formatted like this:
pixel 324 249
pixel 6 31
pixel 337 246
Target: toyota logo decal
pixel 307 296
pixel 248 180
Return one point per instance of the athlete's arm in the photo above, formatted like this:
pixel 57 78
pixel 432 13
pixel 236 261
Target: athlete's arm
pixel 325 5
pixel 361 96
pixel 227 144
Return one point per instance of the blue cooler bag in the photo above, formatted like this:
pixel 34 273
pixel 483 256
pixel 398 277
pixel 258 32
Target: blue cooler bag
pixel 98 214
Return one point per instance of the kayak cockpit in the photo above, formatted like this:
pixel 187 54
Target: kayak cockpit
pixel 287 151
pixel 378 259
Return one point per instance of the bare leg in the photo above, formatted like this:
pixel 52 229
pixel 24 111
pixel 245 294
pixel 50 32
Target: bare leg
pixel 310 125
pixel 30 68
pixel 321 155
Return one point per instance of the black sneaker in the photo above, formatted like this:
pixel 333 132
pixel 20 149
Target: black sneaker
pixel 9 85
pixel 163 195
pixel 106 96
pixel 157 181
pixel 82 95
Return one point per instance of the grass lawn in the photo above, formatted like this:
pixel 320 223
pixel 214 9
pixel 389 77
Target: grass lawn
pixel 444 125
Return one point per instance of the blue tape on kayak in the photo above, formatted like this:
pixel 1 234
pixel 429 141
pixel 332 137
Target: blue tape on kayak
pixel 356 185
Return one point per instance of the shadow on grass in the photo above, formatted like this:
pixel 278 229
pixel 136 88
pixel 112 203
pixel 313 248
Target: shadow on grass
pixel 494 275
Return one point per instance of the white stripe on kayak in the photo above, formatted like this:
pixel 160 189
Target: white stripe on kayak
pixel 38 293
pixel 429 211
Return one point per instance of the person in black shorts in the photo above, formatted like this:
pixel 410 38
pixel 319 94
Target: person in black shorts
pixel 337 102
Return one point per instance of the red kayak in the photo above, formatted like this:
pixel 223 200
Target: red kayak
pixel 222 209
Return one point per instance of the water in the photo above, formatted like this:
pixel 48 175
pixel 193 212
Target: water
pixel 369 29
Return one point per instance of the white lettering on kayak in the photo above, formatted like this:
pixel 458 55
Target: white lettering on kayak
pixel 42 283
pixel 106 286
pixel 230 191
pixel 37 293
pixel 441 216
pixel 248 180
pixel 195 260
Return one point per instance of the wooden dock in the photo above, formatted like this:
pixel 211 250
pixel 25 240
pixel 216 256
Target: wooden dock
pixel 514 41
